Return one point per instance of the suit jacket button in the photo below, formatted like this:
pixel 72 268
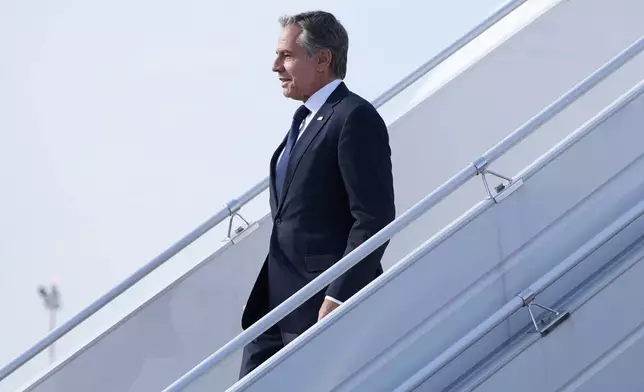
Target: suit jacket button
pixel 278 221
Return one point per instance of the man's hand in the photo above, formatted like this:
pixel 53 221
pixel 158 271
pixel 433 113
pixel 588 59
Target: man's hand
pixel 327 307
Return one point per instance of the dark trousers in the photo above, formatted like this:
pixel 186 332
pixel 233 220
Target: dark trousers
pixel 261 349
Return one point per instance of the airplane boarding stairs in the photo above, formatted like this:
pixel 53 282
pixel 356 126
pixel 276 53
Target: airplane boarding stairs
pixel 438 293
pixel 574 225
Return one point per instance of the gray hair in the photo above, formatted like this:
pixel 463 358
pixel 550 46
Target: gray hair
pixel 320 31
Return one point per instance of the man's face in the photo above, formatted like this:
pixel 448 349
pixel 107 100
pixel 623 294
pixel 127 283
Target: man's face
pixel 295 69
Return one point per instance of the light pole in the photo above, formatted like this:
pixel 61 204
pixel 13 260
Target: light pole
pixel 51 298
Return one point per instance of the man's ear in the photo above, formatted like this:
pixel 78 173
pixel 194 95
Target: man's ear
pixel 324 60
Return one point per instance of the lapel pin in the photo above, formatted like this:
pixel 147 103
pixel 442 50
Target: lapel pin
pixel 320 118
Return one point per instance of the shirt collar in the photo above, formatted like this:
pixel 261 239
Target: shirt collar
pixel 315 102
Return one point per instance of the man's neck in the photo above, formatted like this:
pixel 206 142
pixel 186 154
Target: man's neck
pixel 320 86
pixel 315 102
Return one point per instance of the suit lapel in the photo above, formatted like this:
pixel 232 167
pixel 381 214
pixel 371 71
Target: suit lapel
pixel 311 131
pixel 314 127
pixel 273 190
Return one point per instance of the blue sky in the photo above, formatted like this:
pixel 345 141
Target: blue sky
pixel 125 124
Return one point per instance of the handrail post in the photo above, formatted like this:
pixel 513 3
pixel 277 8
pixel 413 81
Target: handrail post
pixel 525 299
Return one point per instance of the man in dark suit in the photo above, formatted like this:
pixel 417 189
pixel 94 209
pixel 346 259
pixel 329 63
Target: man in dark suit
pixel 331 184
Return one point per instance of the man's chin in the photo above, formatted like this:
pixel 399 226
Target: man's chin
pixel 288 93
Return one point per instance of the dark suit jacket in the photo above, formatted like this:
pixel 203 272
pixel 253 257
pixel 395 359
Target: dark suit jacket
pixel 338 192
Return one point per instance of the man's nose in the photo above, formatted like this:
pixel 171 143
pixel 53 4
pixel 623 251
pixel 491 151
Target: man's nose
pixel 277 66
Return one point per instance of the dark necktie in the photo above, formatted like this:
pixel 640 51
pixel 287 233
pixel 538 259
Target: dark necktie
pixel 282 163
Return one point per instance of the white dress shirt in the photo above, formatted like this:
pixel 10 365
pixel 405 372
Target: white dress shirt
pixel 314 104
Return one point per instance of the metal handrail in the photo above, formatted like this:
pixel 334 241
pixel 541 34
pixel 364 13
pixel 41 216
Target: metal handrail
pixel 409 216
pixel 236 204
pixel 519 301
